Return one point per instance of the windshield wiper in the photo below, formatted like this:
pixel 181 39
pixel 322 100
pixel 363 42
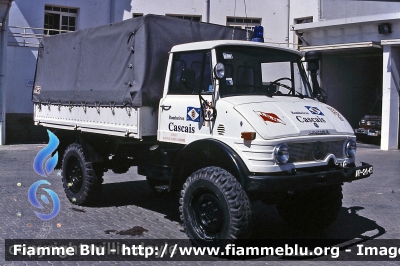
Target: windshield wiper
pixel 301 96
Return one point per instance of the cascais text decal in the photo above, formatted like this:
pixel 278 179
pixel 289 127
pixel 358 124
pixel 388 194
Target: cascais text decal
pixel 179 128
pixel 310 119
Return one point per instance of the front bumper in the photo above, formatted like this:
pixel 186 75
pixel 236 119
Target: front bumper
pixel 306 180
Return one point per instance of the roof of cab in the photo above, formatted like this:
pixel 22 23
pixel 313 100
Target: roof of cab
pixel 212 44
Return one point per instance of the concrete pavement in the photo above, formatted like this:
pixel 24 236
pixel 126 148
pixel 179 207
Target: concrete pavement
pixel 370 207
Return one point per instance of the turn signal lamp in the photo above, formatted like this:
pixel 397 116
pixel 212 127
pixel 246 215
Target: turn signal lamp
pixel 258 35
pixel 248 135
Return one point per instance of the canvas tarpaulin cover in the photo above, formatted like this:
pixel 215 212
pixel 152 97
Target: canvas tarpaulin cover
pixel 118 64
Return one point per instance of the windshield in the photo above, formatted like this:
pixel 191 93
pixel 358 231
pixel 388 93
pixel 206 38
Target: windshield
pixel 265 71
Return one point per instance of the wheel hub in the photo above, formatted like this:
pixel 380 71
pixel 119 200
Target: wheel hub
pixel 74 176
pixel 209 214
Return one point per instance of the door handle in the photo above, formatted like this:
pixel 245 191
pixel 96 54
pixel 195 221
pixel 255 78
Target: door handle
pixel 166 107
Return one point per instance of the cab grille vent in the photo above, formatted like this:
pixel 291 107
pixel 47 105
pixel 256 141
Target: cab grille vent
pixel 221 129
pixel 303 152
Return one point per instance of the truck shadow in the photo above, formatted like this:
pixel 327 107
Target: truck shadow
pixel 349 225
pixel 138 193
pixel 266 223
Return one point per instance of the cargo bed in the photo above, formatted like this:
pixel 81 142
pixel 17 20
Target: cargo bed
pixel 135 122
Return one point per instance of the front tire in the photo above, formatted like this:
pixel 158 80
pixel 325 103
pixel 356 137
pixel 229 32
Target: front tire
pixel 215 209
pixel 312 210
pixel 81 181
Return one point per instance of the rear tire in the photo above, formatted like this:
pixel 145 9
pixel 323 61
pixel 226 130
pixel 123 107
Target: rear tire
pixel 312 210
pixel 215 209
pixel 81 181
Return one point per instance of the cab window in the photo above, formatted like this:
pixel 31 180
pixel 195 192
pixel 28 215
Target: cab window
pixel 191 73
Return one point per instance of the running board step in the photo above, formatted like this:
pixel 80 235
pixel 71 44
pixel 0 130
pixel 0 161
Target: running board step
pixel 162 188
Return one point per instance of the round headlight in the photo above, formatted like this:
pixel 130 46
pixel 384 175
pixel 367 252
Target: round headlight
pixel 219 70
pixel 351 147
pixel 281 153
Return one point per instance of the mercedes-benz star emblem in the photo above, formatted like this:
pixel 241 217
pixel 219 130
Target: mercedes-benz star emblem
pixel 318 150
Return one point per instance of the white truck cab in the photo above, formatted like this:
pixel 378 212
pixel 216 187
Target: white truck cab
pixel 261 101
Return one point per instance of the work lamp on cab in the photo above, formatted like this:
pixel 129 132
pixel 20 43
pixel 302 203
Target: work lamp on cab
pixel 351 147
pixel 281 153
pixel 219 70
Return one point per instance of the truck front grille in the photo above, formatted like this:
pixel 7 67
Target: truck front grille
pixel 315 151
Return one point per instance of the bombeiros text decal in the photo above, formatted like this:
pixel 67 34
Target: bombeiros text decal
pixel 299 113
pixel 176 118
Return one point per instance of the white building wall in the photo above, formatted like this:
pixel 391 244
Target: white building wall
pixel 390 97
pixel 352 30
pixel 160 7
pixel 273 13
pixel 21 63
pixel 302 9
pixel 21 60
pixel 31 13
pixel 274 16
pixel 334 9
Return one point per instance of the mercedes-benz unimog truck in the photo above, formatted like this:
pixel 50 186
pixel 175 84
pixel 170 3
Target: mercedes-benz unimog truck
pixel 200 110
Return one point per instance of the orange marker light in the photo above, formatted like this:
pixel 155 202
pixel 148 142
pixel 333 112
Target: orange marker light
pixel 248 135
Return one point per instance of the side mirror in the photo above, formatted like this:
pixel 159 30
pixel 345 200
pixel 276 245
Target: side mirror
pixel 313 58
pixel 322 98
pixel 188 78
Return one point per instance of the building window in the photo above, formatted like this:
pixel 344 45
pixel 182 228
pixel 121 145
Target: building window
pixel 243 23
pixel 59 19
pixel 137 15
pixel 187 17
pixel 299 35
pixel 303 20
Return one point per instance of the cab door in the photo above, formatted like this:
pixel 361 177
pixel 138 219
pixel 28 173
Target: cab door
pixel 180 116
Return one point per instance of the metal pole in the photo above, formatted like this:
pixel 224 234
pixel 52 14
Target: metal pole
pixel 112 11
pixel 208 11
pixel 288 22
pixel 3 64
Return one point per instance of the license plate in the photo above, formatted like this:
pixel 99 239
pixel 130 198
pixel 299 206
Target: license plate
pixel 365 171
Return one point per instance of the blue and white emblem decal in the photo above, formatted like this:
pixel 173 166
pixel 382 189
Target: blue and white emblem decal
pixel 314 110
pixel 193 114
